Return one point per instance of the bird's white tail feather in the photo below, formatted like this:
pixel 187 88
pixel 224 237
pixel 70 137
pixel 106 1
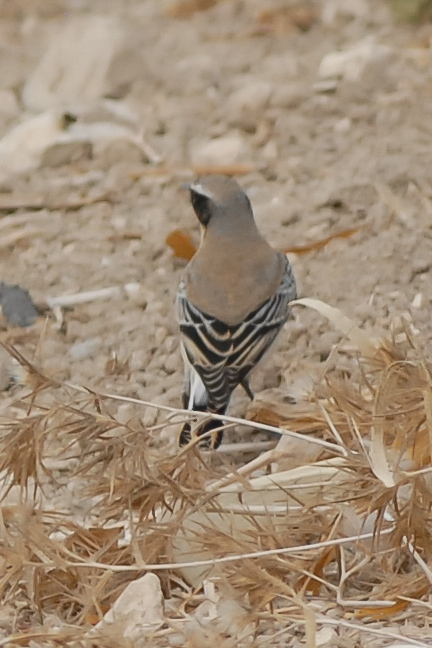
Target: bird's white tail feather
pixel 193 385
pixel 198 395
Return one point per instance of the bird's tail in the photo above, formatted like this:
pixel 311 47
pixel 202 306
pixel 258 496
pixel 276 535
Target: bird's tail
pixel 195 397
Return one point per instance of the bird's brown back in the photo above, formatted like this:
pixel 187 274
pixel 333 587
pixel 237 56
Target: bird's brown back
pixel 229 279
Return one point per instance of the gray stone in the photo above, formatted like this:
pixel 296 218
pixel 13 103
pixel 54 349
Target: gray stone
pixel 84 350
pixel 66 153
pixel 352 63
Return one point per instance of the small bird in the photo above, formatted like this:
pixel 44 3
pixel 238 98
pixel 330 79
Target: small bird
pixel 232 302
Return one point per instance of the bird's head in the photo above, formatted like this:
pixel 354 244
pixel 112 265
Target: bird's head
pixel 220 200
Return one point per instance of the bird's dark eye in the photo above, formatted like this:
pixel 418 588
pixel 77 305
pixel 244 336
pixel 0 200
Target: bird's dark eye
pixel 202 207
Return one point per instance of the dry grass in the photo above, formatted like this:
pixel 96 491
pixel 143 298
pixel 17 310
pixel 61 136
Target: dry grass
pixel 329 532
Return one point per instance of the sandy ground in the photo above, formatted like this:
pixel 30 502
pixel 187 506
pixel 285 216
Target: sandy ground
pixel 324 162
pixel 219 87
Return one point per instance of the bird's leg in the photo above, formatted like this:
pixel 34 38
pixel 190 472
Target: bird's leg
pixel 213 426
pixel 245 384
pixel 185 435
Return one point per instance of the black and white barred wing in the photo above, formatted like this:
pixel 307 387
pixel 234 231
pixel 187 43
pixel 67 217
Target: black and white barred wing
pixel 224 355
pixel 205 347
pixel 253 338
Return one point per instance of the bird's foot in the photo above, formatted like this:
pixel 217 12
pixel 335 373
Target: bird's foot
pixel 210 431
pixel 247 388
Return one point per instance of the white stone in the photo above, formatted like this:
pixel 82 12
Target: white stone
pixel 417 302
pixel 139 359
pixel 228 149
pixel 160 334
pixel 139 609
pixel 172 363
pixel 325 637
pixel 246 104
pixel 76 63
pixel 350 64
pixel 270 151
pixel 22 147
pixel 343 125
pixel 171 343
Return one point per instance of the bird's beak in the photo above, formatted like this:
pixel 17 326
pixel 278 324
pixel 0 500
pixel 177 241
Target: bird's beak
pixel 186 186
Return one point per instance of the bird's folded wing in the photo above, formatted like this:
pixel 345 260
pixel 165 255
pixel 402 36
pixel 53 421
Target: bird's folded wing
pixel 214 347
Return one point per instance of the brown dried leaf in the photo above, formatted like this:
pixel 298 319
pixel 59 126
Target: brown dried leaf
pixel 382 613
pixel 287 18
pixel 223 169
pixel 181 244
pixel 197 170
pixel 318 245
pixel 187 8
pixel 184 248
pixel 311 585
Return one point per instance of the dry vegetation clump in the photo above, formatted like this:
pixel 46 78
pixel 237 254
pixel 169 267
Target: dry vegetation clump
pixel 324 538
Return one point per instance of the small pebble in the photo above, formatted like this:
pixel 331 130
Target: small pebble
pixel 86 349
pixel 352 63
pixel 288 96
pixel 228 149
pixel 5 369
pixel 118 150
pixel 160 335
pixel 417 302
pixel 343 125
pixel 171 363
pixel 63 153
pixel 139 360
pixel 170 344
pixel 245 105
pixel 325 342
pixel 125 412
